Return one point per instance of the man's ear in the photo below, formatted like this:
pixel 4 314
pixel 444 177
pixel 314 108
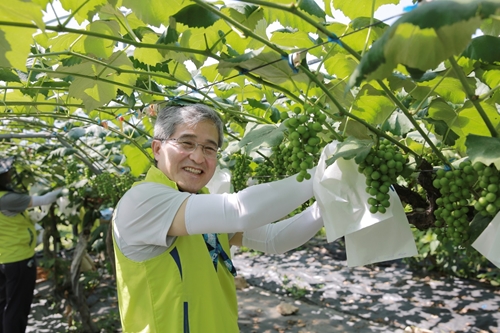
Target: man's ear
pixel 156 146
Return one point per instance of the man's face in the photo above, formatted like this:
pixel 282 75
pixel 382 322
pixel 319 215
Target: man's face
pixel 190 170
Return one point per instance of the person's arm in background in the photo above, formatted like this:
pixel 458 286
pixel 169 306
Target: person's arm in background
pixel 13 203
pixel 283 236
pixel 45 199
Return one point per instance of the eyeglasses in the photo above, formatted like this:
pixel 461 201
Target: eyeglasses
pixel 188 146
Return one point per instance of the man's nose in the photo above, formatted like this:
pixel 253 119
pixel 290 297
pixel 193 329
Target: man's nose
pixel 197 154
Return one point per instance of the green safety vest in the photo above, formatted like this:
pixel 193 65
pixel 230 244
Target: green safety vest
pixel 17 237
pixel 178 291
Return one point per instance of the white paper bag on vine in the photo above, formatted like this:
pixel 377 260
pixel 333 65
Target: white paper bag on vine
pixel 36 214
pixel 220 182
pixel 340 192
pixel 488 242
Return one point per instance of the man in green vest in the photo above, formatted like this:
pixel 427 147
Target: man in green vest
pixel 172 238
pixel 17 250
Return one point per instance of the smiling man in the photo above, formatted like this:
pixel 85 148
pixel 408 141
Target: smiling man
pixel 172 238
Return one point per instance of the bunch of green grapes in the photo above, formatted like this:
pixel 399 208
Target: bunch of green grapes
pixel 71 173
pixel 381 167
pixel 105 186
pixel 264 172
pixel 303 129
pixel 280 156
pixel 453 205
pixel 488 204
pixel 241 171
pixel 111 187
pixel 126 182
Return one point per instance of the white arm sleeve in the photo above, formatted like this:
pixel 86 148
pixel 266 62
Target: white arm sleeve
pixel 285 235
pixel 251 208
pixel 45 199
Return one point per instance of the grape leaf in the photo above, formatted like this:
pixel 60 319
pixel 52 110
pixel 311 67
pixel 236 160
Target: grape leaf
pixel 268 65
pixel 266 107
pixel 62 151
pixel 8 75
pixel 354 9
pixel 341 65
pixel 351 148
pixel 195 16
pixel 372 105
pixel 101 47
pixel 287 20
pixel 441 128
pixel 135 159
pixel 484 48
pixel 261 135
pixel 83 11
pixel 483 149
pixel 15 46
pixel 241 7
pixel 155 12
pixel 147 55
pixel 312 8
pixel 491 26
pixel 398 124
pixel 445 27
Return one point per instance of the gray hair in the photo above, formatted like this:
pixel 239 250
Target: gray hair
pixel 170 117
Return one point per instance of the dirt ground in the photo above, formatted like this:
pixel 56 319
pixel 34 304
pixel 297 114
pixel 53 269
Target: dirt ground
pixel 311 290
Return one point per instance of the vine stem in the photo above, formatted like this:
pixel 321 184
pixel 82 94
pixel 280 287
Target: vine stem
pixel 472 97
pixel 17 116
pixel 292 8
pixel 104 36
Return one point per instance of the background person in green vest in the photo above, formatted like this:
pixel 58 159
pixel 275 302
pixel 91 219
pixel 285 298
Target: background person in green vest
pixel 17 250
pixel 172 239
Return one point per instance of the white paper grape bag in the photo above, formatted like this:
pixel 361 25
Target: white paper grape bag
pixel 340 192
pixel 488 242
pixel 387 240
pixel 220 182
